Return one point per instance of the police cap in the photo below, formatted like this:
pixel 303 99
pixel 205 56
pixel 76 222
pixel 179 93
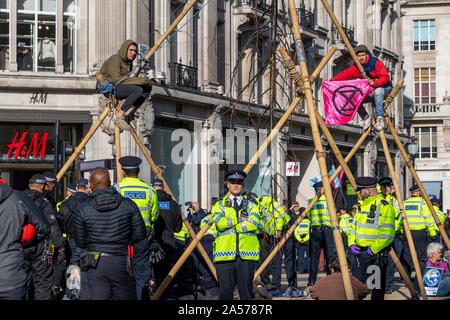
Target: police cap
pixel 71 187
pixel 130 162
pixel 365 182
pixel 157 183
pixel 235 175
pixel 414 188
pixel 83 183
pixel 434 201
pixel 385 181
pixel 38 179
pixel 50 177
pixel 318 185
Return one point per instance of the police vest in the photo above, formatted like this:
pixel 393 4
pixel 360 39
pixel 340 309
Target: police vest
pixel 345 223
pixel 302 231
pixel 272 215
pixel 373 224
pixel 182 235
pixel 212 228
pixel 398 217
pixel 233 237
pixel 419 216
pixel 440 215
pixel 319 215
pixel 143 195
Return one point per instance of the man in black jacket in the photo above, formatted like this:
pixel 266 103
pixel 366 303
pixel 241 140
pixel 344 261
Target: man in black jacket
pixel 105 225
pixel 16 212
pixel 168 223
pixel 47 278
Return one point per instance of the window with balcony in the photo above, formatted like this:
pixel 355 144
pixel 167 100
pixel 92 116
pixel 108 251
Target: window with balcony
pixel 4 34
pixel 36 35
pixel 427 139
pixel 424 35
pixel 424 85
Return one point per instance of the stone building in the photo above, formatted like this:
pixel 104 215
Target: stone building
pixel 209 81
pixel 426 40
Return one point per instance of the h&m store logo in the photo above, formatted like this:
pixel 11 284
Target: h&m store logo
pixel 23 151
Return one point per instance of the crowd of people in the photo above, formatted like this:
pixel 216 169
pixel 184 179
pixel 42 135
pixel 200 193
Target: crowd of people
pixel 120 241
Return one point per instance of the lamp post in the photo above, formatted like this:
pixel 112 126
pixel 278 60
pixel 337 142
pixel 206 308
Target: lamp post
pixel 413 150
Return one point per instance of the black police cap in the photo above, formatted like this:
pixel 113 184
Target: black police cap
pixel 365 182
pixel 71 187
pixel 130 162
pixel 385 181
pixel 414 188
pixel 238 175
pixel 318 185
pixel 50 177
pixel 38 179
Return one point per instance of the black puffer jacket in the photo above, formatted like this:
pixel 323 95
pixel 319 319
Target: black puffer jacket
pixel 67 210
pixel 14 214
pixel 108 222
pixel 169 220
pixel 45 205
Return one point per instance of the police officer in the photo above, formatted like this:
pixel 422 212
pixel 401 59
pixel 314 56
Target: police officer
pixel 50 185
pixel 374 233
pixel 422 227
pixel 271 228
pixel 387 191
pixel 105 226
pixel 236 247
pixel 45 286
pixel 440 214
pixel 303 234
pixel 145 197
pixel 321 235
pixel 345 225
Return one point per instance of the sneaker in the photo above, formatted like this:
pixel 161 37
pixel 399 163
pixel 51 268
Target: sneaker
pixel 380 124
pixel 388 290
pixel 121 123
pixel 366 123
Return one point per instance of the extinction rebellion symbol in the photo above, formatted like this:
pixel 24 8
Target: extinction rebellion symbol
pixel 348 93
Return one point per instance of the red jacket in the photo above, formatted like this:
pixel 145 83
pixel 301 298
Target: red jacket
pixel 378 72
pixel 3 181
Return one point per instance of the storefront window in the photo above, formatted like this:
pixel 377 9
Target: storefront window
pixel 4 34
pixel 36 35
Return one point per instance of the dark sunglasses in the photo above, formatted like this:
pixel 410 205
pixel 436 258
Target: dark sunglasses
pixel 233 181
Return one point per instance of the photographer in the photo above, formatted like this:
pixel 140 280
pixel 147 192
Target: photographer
pixel 195 215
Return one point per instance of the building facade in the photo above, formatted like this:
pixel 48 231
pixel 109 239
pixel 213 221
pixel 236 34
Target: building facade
pixel 426 39
pixel 214 99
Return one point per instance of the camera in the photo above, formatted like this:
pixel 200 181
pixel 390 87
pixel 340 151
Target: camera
pixel 188 204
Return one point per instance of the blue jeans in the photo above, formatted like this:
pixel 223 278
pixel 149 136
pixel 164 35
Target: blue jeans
pixel 444 287
pixel 378 97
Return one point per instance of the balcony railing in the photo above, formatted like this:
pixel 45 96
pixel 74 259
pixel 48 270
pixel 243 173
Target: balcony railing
pixel 430 110
pixel 349 33
pixel 183 75
pixel 307 18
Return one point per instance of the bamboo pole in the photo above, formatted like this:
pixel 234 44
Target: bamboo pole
pixel 157 171
pixel 301 59
pixel 416 178
pixel 402 212
pixel 118 150
pixel 247 169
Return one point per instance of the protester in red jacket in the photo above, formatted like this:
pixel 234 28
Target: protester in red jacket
pixel 378 78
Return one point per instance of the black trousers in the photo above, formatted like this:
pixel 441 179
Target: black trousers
pixel 40 273
pixel 420 239
pixel 110 280
pixel 302 248
pixel 361 271
pixel 290 261
pixel 238 272
pixel 320 240
pixel 207 280
pixel 274 267
pixel 134 95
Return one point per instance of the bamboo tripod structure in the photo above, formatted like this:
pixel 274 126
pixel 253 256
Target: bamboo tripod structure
pixel 111 105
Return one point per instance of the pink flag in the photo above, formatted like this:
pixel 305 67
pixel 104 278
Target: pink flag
pixel 343 98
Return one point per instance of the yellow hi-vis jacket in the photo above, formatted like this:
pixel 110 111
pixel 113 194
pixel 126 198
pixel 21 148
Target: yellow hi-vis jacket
pixel 183 234
pixel 319 215
pixel 212 228
pixel 346 223
pixel 302 231
pixel 398 217
pixel 233 237
pixel 419 216
pixel 373 224
pixel 440 215
pixel 143 195
pixel 272 215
